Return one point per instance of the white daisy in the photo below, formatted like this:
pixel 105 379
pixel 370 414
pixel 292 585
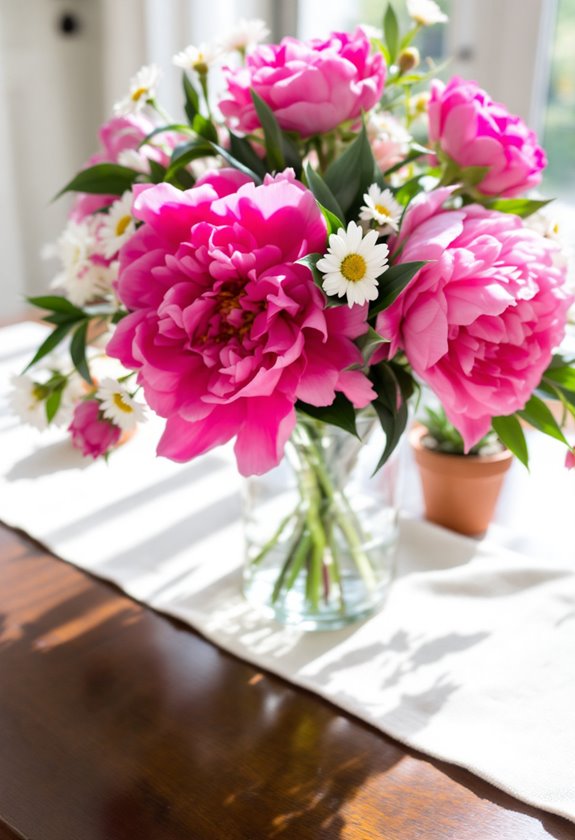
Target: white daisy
pixel 118 406
pixel 374 33
pixel 134 160
pixel 199 58
pixel 75 245
pixel 28 396
pixel 28 401
pixel 117 226
pixel 352 264
pixel 142 88
pixel 381 207
pixel 245 35
pixel 425 12
pixel 91 283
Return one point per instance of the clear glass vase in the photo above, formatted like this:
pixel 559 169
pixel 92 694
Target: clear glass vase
pixel 320 529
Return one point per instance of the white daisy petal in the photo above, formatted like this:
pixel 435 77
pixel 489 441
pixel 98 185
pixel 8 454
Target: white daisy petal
pixel 425 12
pixel 246 34
pixel 118 406
pixel 118 225
pixel 352 271
pixel 381 209
pixel 142 87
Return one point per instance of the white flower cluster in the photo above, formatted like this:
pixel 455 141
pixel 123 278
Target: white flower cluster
pixel 87 249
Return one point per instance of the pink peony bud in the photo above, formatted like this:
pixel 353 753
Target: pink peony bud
pixel 91 434
pixel 466 125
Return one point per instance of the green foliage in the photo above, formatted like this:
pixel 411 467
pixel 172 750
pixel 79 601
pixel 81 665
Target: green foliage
pixel 392 284
pixel 101 179
pixel 340 413
pixel 446 438
pixel 323 193
pixel 393 387
pixel 351 174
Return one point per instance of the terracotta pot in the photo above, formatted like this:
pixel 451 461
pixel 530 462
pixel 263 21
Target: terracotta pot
pixel 459 491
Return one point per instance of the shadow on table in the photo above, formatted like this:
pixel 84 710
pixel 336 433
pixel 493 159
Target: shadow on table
pixel 43 462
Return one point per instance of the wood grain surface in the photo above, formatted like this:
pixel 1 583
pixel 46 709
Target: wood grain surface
pixel 117 723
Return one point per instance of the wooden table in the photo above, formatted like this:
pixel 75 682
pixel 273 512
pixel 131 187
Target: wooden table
pixel 117 723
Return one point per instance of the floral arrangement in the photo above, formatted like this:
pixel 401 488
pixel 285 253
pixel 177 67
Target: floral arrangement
pixel 332 229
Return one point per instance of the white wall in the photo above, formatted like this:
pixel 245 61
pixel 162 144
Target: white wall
pixel 51 100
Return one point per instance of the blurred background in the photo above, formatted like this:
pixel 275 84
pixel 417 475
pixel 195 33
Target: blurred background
pixel 63 64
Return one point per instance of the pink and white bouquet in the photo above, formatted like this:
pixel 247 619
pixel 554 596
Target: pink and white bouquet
pixel 290 249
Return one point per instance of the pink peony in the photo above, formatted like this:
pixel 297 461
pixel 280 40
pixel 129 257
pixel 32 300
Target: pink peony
pixel 122 134
pixel 227 330
pixel 465 124
pixel 311 87
pixel 570 459
pixel 479 322
pixel 91 433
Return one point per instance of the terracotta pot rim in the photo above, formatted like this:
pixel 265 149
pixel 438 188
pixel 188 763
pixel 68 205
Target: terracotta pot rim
pixel 418 431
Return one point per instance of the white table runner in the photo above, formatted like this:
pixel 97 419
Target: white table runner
pixel 471 660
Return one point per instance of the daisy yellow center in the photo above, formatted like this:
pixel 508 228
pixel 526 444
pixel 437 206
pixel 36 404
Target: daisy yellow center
pixel 383 211
pixel 201 65
pixel 39 392
pixel 138 93
pixel 353 267
pixel 118 401
pixel 122 224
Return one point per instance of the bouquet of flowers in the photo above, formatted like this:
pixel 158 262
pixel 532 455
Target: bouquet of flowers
pixel 332 229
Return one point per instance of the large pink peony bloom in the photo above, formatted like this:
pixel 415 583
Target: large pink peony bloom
pixel 475 131
pixel 93 435
pixel 479 322
pixel 311 87
pixel 227 329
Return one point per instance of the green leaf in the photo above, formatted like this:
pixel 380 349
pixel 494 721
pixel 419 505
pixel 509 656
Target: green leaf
pixel 392 284
pixel 508 430
pixel 157 171
pixel 63 318
pixel 272 133
pixel 243 151
pixel 323 193
pixel 53 340
pixel 184 153
pixel 391 32
pixel 192 99
pixel 523 207
pixel 340 413
pixel 205 128
pixel 409 190
pixel 56 303
pixel 181 128
pixel 350 175
pixel 564 376
pixel 333 222
pixel 473 175
pixel 538 415
pixel 291 154
pixel 78 352
pixel 369 343
pixel 415 153
pixel 236 163
pixel 101 179
pixel 52 404
pixel 391 408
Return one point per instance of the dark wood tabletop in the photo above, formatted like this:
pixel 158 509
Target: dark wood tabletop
pixel 117 723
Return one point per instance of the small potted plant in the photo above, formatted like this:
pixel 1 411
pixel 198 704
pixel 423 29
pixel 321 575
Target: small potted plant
pixel 460 490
